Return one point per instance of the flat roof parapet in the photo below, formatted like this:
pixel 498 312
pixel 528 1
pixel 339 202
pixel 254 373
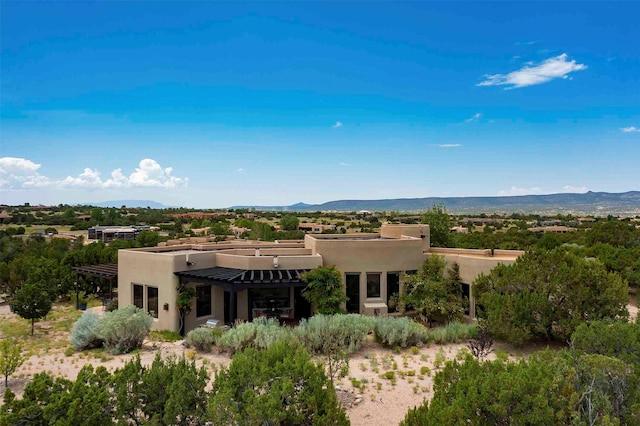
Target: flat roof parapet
pixel 503 254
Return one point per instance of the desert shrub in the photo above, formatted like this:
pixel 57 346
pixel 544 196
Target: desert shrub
pixel 202 338
pixel 124 329
pixel 401 332
pixel 165 335
pixel 261 333
pixel 277 386
pixel 454 332
pixel 85 332
pixel 343 331
pixel 620 339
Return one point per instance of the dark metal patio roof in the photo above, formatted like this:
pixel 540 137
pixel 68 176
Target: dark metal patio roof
pixel 240 279
pixel 108 271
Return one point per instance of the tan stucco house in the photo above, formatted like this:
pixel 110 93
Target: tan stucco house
pixel 244 279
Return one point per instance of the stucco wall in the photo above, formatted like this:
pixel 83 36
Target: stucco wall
pixel 369 255
pixel 472 263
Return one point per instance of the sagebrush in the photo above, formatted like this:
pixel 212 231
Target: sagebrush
pixel 124 329
pixel 403 332
pixel 202 338
pixel 85 332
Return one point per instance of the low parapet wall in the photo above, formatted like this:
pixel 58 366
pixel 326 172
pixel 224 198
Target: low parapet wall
pixel 460 251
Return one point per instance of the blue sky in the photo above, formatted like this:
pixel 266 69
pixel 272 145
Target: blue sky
pixel 216 104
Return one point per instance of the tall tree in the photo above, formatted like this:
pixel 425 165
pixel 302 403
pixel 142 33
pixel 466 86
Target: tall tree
pixel 548 294
pixel 289 222
pixel 439 226
pixel 11 358
pixel 31 302
pixel 431 293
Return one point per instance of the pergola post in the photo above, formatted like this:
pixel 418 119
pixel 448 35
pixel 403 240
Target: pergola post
pixel 234 306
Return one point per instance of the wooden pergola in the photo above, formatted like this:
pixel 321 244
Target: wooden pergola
pixel 107 271
pixel 235 280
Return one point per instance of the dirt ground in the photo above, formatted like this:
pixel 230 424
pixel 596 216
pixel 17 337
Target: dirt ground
pixel 377 402
pixel 369 398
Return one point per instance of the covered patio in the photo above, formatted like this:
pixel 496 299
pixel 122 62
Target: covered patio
pixel 108 272
pixel 257 282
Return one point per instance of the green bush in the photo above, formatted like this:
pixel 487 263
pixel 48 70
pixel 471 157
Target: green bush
pixel 344 331
pixel 165 335
pixel 202 338
pixel 281 385
pixel 259 334
pixel 85 332
pixel 404 332
pixel 124 329
pixel 454 332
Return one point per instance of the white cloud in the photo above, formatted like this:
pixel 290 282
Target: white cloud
pixel 474 117
pixel 118 180
pixel 519 191
pixel 150 174
pixel 240 170
pixel 574 189
pixel 529 75
pixel 343 164
pixel 337 125
pixel 22 173
pixel 449 145
pixel 630 129
pixel 88 179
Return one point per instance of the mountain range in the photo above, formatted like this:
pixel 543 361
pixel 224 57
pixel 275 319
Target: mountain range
pixel 589 203
pixel 129 203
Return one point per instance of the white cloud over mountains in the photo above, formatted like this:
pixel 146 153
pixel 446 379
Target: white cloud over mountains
pixel 530 75
pixel 18 173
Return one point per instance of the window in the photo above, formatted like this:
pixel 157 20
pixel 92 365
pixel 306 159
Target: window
pixel 203 300
pixel 152 301
pixel 138 296
pixel 373 285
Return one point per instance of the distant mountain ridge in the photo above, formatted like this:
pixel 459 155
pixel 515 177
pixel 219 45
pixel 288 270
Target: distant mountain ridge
pixel 130 204
pixel 596 203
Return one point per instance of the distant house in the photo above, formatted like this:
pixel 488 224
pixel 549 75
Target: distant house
pixel 480 221
pixel 552 222
pixel 459 230
pixel 315 228
pixel 110 233
pixel 556 229
pixel 5 217
pixel 586 219
pixel 197 215
pixel 239 231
